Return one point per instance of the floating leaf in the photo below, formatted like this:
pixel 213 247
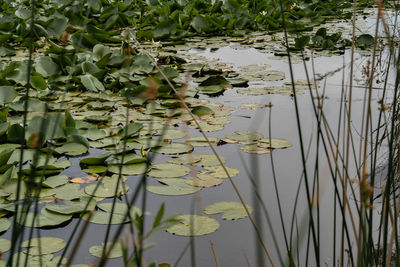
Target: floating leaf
pixel 71 207
pixel 95 169
pixel 5 245
pixel 171 134
pixel 173 148
pixel 203 180
pixel 96 160
pixel 46 218
pixel 120 208
pixel 165 170
pixel 68 191
pixel 254 149
pixel 130 169
pixel 44 245
pixel 244 136
pixel 200 141
pixel 231 210
pixel 220 172
pixel 72 149
pixel 274 143
pixel 173 187
pixel 106 190
pixel 4 224
pixel 55 181
pixel 7 94
pixel 193 225
pixel 116 251
pixel 101 217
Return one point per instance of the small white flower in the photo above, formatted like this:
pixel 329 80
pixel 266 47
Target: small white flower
pixel 263 13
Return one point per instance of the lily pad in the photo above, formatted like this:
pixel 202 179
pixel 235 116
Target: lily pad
pixel 72 149
pixel 116 251
pixel 101 217
pixel 56 180
pixel 130 169
pixel 245 136
pixel 7 94
pixel 4 224
pixel 44 245
pixel 173 187
pixel 5 245
pixel 203 180
pixel 255 149
pixel 120 208
pixel 106 190
pixel 220 173
pixel 165 170
pixel 200 141
pixel 274 143
pixel 231 210
pixel 193 225
pixel 46 218
pixel 173 148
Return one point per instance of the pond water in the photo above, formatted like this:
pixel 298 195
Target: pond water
pixel 235 243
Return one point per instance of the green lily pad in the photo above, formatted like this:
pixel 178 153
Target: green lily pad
pixel 68 191
pixel 202 160
pixel 72 149
pixel 71 207
pixel 199 141
pixel 5 245
pixel 128 159
pixel 96 160
pixel 106 190
pixel 220 173
pixel 165 170
pixel 95 169
pixel 274 143
pixel 171 133
pixel 120 208
pixel 245 136
pixel 255 149
pixel 130 169
pixel 46 218
pixel 101 217
pixel 173 148
pixel 193 225
pixel 208 127
pixel 44 245
pixel 56 180
pixel 173 187
pixel 7 94
pixel 4 224
pixel 231 210
pixel 203 180
pixel 116 251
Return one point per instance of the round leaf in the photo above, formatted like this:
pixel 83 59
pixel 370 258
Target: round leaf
pixel 231 210
pixel 193 225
